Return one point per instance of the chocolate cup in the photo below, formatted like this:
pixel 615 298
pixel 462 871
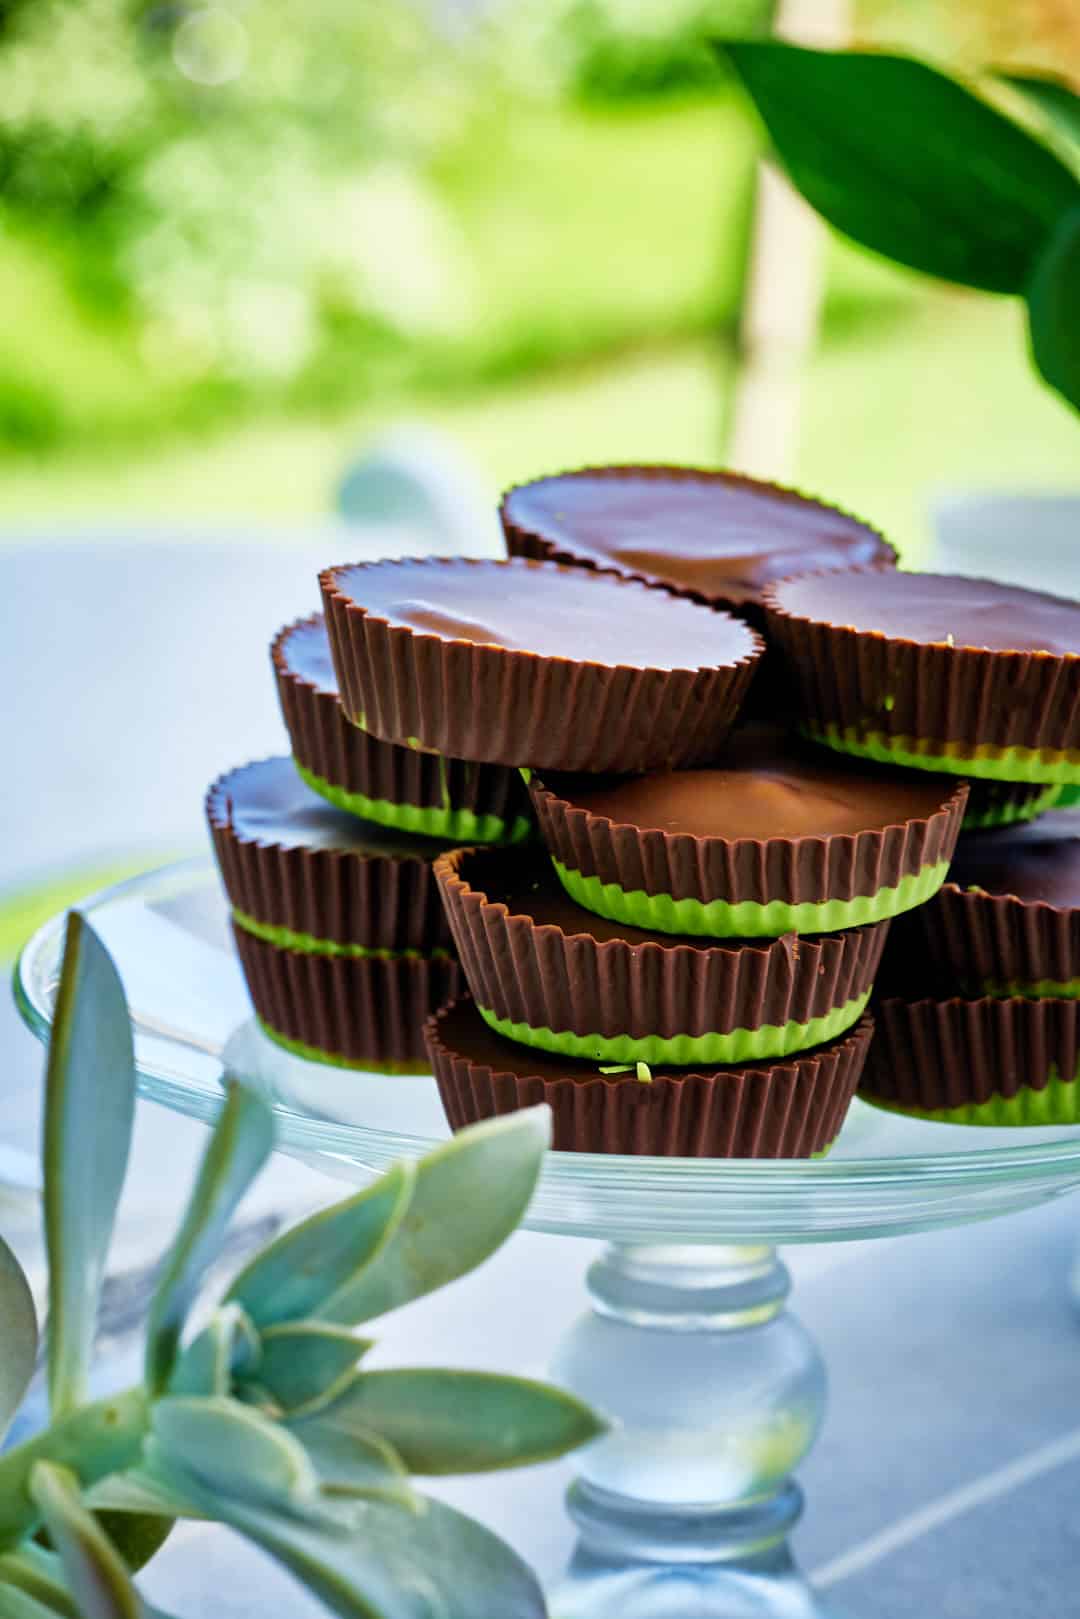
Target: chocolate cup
pixel 981 1062
pixel 1006 803
pixel 472 803
pixel 788 1109
pixel 362 1012
pixel 527 540
pixel 380 901
pixel 965 943
pixel 811 884
pixel 628 995
pixel 479 701
pixel 1002 715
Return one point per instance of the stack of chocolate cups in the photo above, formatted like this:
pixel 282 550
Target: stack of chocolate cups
pixel 978 1012
pixel 327 861
pixel 696 991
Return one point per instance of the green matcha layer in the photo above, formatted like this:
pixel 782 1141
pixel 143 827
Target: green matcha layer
pixel 986 1061
pixel 1008 804
pixel 984 761
pixel 748 919
pixel 455 824
pixel 298 1048
pixel 736 1046
pixel 307 943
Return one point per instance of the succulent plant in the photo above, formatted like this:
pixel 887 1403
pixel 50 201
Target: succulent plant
pixel 265 1418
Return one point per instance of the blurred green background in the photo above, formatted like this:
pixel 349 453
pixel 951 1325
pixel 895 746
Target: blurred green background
pixel 238 239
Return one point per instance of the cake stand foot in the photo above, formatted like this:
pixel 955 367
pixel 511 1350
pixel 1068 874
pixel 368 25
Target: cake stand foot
pixel 715 1394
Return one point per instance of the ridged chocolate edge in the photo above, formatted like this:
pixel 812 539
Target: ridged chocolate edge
pixel 961 941
pixel 385 902
pixel 801 870
pixel 328 744
pixel 541 976
pixel 870 682
pixel 788 1109
pixel 473 701
pixel 522 541
pixel 936 1054
pixel 363 1009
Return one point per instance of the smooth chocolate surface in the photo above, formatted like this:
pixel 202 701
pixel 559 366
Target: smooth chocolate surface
pixel 766 784
pixel 305 651
pixel 267 802
pixel 1036 861
pixel 721 536
pixel 547 609
pixel 932 608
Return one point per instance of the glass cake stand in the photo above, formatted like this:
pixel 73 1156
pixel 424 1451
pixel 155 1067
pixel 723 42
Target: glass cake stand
pixel 714 1389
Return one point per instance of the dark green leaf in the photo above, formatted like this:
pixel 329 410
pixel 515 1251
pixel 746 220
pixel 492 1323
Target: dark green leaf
pixel 137 1536
pixel 462 1422
pixel 303 1268
pixel 18 1336
pixel 94 1569
pixel 233 1451
pixel 382 1562
pixel 242 1141
pixel 1054 311
pixel 907 162
pixel 1059 104
pixel 89 1109
pixel 306 1361
pixel 470 1195
pixel 227 1347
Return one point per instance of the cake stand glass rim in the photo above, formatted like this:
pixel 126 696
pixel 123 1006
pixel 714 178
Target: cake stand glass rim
pixel 598 1170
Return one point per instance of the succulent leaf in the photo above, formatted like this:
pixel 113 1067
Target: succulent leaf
pixel 449 1229
pixel 294 1277
pixel 94 1569
pixel 89 1110
pixel 307 1362
pixel 227 1346
pixel 39 1574
pixel 239 1147
pixel 351 1462
pixel 18 1336
pixel 233 1451
pixel 16 1603
pixel 462 1422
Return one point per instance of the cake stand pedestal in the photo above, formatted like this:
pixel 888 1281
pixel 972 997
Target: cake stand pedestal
pixel 714 1391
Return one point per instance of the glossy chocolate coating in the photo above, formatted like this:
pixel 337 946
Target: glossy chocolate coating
pixel 552 611
pixel 716 535
pixel 934 609
pixel 267 802
pixel 305 652
pixel 1039 860
pixel 765 785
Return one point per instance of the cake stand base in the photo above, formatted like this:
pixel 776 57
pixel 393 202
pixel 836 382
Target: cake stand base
pixel 715 1393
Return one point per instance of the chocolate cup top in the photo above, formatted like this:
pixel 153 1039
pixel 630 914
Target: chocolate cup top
pixel 542 610
pixel 267 803
pixel 531 663
pixel 766 785
pixel 718 537
pixel 932 609
pixel 302 650
pixel 1034 862
pixel 460 1031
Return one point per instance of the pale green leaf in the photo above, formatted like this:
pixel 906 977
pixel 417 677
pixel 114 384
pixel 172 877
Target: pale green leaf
pixel 95 1571
pixel 18 1604
pixel 242 1141
pixel 1056 100
pixel 307 1361
pixel 227 1347
pixel 89 1110
pixel 18 1336
pixel 353 1463
pixel 39 1574
pixel 470 1195
pixel 293 1277
pixel 462 1422
pixel 908 162
pixel 233 1451
pixel 1054 310
pixel 382 1562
